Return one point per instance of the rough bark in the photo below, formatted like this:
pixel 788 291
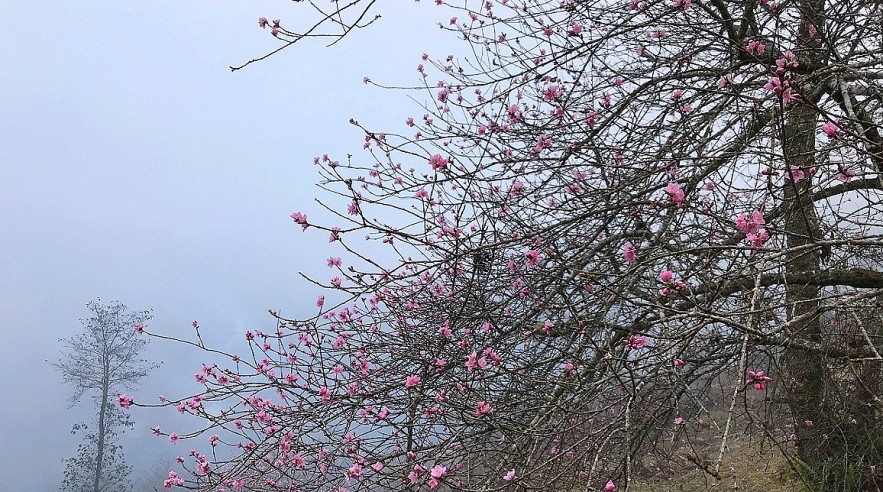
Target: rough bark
pixel 804 372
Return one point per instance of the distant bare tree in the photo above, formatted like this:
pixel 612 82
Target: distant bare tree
pixel 104 358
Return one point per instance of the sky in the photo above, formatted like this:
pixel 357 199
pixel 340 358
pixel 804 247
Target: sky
pixel 134 166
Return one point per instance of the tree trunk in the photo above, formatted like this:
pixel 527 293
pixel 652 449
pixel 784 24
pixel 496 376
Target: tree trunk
pixel 99 459
pixel 804 372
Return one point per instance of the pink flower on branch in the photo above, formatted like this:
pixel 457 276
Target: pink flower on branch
pixel 437 472
pixel 634 342
pixel 438 163
pixel 412 381
pixel 788 61
pixel 173 480
pixel 726 80
pixel 755 48
pixel 675 193
pixel 324 394
pixel 759 379
pixel 482 408
pixel 750 224
pixel 752 227
pixel 543 142
pixel 831 129
pixel 532 258
pixel 845 175
pixel 795 174
pixel 125 401
pixel 301 219
pixel 629 252
pixel 782 88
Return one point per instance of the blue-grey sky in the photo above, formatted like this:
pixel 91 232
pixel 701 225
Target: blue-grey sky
pixel 135 166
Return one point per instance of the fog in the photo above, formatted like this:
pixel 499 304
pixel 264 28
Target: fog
pixel 134 166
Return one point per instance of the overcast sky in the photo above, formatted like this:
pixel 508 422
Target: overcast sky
pixel 134 166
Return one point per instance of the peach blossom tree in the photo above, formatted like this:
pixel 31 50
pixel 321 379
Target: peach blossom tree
pixel 603 209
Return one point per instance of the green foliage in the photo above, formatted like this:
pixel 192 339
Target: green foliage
pixel 847 473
